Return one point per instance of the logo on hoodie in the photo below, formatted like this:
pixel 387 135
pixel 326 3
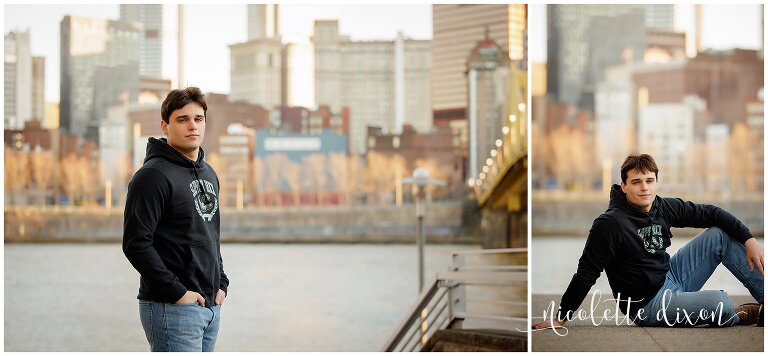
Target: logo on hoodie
pixel 205 199
pixel 652 238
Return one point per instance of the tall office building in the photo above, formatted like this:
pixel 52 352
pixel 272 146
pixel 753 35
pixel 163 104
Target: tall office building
pixel 159 49
pixel 17 80
pixel 327 43
pixel 263 21
pixel 256 72
pixel 660 16
pixel 455 31
pixel 383 83
pixel 573 56
pixel 257 66
pixel 88 45
pixel 38 88
pixel 488 71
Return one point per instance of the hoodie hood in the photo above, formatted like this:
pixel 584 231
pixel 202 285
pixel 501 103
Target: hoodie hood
pixel 619 201
pixel 159 148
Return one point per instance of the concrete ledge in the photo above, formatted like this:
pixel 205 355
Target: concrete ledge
pixel 584 336
pixel 458 340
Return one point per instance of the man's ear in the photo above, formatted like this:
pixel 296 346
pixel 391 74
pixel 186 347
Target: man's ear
pixel 623 188
pixel 164 127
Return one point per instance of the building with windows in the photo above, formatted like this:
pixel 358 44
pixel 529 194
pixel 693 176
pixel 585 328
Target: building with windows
pixel 456 28
pixel 383 83
pixel 88 44
pixel 24 82
pixel 160 53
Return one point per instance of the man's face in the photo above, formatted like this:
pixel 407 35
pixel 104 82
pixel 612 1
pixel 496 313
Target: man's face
pixel 185 129
pixel 640 189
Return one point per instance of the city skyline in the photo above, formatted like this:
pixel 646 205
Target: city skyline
pixel 744 19
pixel 211 71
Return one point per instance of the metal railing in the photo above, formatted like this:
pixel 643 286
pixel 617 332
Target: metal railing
pixel 484 289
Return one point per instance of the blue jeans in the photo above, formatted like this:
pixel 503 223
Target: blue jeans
pixel 681 302
pixel 180 327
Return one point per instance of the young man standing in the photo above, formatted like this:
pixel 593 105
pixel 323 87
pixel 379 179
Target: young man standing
pixel 629 242
pixel 171 232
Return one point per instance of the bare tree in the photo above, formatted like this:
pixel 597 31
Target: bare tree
pixel 274 162
pixel 17 175
pixel 376 175
pixel 42 172
pixel 87 176
pixel 741 162
pixel 258 179
pixel 291 172
pixel 356 181
pixel 69 177
pixel 340 174
pixel 315 164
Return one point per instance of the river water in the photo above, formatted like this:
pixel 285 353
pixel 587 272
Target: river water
pixel 282 297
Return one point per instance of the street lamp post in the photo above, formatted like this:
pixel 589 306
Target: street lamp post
pixel 419 183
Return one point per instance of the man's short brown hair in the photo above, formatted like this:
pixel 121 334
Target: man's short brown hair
pixel 643 163
pixel 179 98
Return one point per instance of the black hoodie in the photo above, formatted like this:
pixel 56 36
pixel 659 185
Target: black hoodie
pixel 171 226
pixel 631 244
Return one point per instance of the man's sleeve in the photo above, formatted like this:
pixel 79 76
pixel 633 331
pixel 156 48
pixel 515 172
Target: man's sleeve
pixel 224 281
pixel 601 246
pixel 224 284
pixel 680 213
pixel 147 194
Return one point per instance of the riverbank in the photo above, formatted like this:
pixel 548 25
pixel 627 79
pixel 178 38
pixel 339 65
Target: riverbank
pixel 354 224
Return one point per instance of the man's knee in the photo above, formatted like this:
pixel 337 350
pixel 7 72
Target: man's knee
pixel 719 237
pixel 716 231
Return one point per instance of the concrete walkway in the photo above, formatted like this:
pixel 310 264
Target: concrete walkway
pixel 584 336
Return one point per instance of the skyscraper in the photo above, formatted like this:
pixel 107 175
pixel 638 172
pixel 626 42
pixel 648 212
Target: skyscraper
pixel 17 80
pixel 383 83
pixel 38 88
pixel 263 21
pixel 574 59
pixel 88 44
pixel 256 74
pixel 661 16
pixel 455 31
pixel 159 50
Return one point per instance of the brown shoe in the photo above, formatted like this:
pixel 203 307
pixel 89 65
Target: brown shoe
pixel 748 313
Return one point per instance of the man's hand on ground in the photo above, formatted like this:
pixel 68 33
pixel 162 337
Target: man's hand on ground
pixel 548 325
pixel 191 297
pixel 220 295
pixel 754 255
